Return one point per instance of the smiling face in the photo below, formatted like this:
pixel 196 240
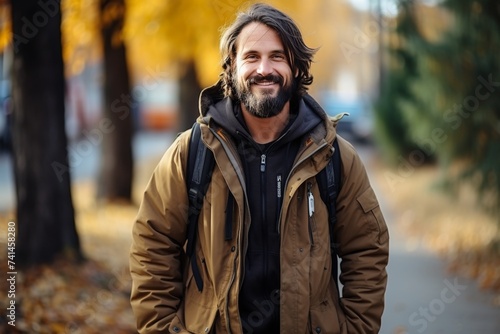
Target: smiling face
pixel 262 75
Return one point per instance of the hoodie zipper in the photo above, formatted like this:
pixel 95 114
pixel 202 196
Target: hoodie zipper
pixel 263 207
pixel 262 187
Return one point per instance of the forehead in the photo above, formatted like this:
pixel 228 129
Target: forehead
pixel 258 37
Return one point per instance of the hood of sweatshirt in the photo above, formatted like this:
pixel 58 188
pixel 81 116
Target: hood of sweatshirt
pixel 305 115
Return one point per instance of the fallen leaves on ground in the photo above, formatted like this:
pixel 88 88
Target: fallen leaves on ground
pixel 80 298
pixel 65 297
pixel 92 297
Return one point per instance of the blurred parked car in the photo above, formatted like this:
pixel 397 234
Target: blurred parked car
pixel 358 125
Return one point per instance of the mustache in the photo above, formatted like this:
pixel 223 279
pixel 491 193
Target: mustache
pixel 256 79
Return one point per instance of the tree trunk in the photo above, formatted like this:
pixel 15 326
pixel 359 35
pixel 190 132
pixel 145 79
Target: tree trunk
pixel 189 91
pixel 115 180
pixel 45 213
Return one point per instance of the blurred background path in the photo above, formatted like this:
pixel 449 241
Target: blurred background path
pixel 146 145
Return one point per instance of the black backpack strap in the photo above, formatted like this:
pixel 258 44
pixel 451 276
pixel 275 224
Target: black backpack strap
pixel 329 185
pixel 199 173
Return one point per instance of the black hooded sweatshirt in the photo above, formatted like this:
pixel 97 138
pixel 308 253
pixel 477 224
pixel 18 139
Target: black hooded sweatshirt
pixel 266 171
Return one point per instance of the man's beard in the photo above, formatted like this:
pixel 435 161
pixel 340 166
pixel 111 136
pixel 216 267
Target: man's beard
pixel 263 105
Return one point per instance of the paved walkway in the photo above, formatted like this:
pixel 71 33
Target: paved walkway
pixel 6 183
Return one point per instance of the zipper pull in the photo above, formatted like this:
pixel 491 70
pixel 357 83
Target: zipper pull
pixel 278 185
pixel 310 200
pixel 263 163
pixel 279 194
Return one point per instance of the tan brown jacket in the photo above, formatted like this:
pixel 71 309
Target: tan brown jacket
pixel 165 298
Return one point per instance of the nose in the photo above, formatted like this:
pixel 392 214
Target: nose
pixel 264 67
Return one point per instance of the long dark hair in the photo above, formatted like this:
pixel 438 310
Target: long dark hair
pixel 299 55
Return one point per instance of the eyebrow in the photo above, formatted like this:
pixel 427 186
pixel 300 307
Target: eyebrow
pixel 250 51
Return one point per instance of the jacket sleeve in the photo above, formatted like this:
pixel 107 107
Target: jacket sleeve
pixel 363 246
pixel 158 237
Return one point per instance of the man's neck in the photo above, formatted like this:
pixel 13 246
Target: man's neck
pixel 266 130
